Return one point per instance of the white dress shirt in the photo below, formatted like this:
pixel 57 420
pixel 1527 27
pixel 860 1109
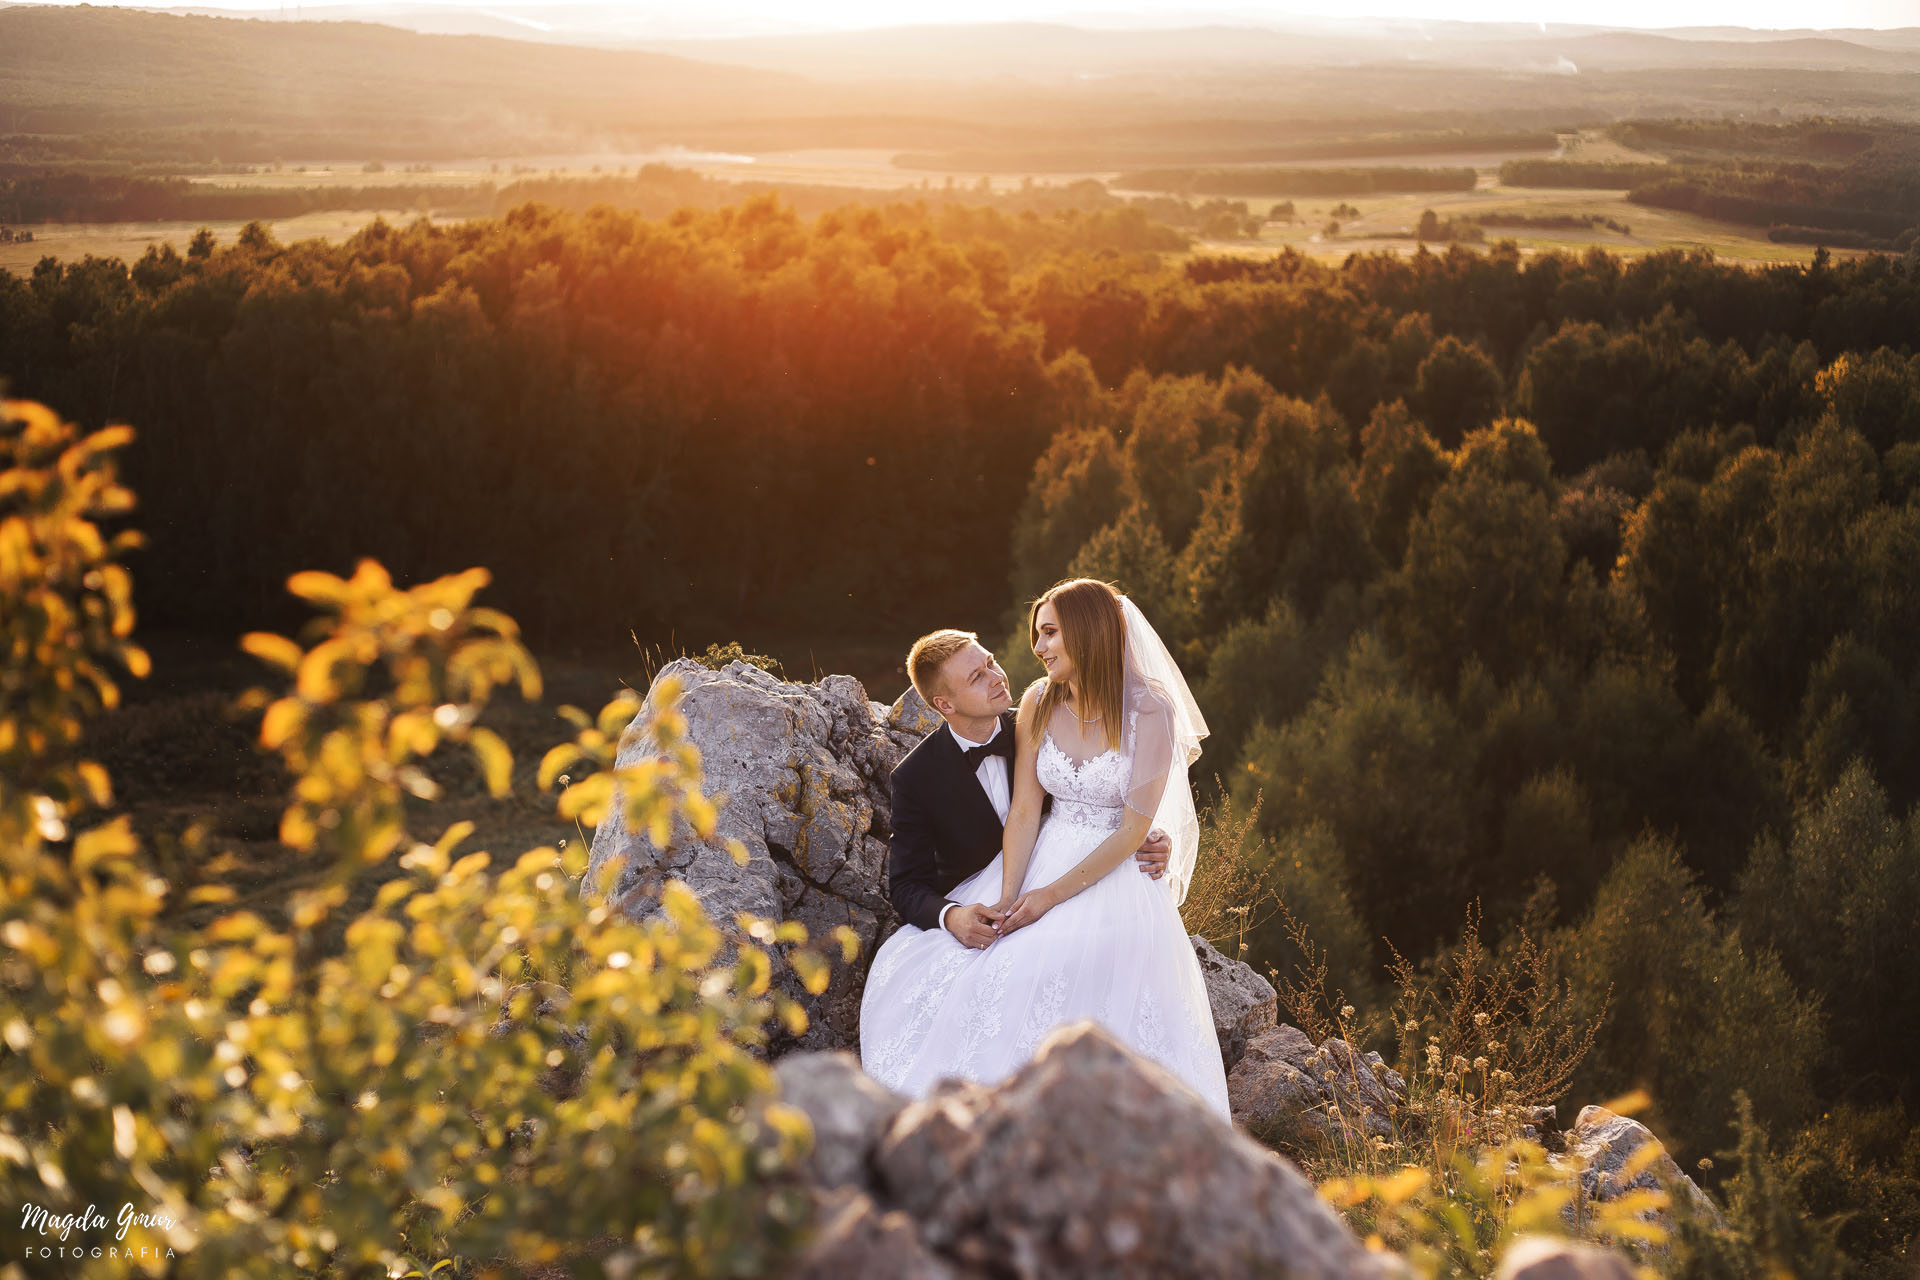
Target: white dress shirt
pixel 994 780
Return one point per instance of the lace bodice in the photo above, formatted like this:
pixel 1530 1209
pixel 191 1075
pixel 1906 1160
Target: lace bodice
pixel 1088 794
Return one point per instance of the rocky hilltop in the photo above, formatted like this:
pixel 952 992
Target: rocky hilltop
pixel 804 770
pixel 965 1182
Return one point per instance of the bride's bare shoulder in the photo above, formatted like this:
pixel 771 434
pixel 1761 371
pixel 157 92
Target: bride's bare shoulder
pixel 1030 704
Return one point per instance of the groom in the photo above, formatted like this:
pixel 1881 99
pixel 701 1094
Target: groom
pixel 951 793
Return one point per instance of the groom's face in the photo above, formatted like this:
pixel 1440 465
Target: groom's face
pixel 973 685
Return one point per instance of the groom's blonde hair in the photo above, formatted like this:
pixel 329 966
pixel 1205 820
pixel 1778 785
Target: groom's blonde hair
pixel 929 653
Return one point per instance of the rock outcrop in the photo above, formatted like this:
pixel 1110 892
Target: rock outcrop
pixel 856 1238
pixel 804 769
pixel 1291 1091
pixel 1244 1003
pixel 1546 1258
pixel 1604 1142
pixel 973 1181
pixel 849 1110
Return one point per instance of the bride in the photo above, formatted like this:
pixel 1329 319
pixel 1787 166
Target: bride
pixel 1109 734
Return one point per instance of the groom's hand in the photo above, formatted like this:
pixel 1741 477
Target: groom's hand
pixel 973 924
pixel 1154 853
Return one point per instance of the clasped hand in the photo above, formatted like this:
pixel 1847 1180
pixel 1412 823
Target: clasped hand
pixel 1024 909
pixel 977 925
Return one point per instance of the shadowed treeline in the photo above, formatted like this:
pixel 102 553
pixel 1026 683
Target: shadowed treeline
pixel 720 417
pixel 1815 181
pixel 1577 589
pixel 797 408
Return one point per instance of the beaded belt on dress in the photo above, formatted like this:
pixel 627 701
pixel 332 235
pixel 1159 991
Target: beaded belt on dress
pixel 1101 817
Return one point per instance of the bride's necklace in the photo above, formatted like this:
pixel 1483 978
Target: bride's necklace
pixel 1085 720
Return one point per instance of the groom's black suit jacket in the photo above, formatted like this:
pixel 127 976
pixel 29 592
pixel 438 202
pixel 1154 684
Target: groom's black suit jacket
pixel 944 827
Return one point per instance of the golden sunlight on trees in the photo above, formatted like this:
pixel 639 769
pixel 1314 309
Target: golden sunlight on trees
pixel 476 1065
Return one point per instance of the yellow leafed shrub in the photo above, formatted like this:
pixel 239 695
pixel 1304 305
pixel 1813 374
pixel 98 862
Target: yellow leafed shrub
pixel 480 1073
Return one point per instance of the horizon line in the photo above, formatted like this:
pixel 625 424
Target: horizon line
pixel 1096 22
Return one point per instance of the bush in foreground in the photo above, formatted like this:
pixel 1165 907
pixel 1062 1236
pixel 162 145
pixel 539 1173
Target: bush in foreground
pixel 478 1073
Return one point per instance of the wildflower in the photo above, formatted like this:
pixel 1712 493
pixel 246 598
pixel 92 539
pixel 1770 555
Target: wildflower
pixel 1346 1012
pixel 1479 1064
pixel 1412 1026
pixel 1480 1019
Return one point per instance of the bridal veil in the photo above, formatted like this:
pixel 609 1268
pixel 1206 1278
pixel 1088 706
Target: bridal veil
pixel 1167 742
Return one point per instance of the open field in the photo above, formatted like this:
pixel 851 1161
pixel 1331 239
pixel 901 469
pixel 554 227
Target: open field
pixel 858 168
pixel 1384 220
pixel 1380 225
pixel 869 172
pixel 72 241
pixel 467 171
pixel 1591 146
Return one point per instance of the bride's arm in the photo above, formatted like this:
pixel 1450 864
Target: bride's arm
pixel 1142 801
pixel 1106 854
pixel 1023 811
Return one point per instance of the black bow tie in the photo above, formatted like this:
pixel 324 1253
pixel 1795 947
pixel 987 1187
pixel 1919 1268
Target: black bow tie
pixel 1002 745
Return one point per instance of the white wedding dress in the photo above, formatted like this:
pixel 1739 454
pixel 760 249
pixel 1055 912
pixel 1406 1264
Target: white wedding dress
pixel 1115 952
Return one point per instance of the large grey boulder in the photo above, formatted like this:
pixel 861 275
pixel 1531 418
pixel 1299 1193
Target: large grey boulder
pixel 803 770
pixel 1244 1003
pixel 1547 1258
pixel 1275 1100
pixel 1603 1142
pixel 849 1111
pixel 855 1238
pixel 1295 1093
pixel 1091 1161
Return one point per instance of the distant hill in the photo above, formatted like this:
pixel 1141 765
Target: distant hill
pixel 1059 52
pixel 1641 50
pixel 111 86
pixel 1892 38
pixel 81 69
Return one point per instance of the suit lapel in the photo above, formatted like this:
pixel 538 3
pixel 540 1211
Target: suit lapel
pixel 969 780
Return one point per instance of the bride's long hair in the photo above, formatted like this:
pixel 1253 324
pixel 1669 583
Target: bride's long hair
pixel 1094 631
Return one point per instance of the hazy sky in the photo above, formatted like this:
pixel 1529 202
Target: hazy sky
pixel 1647 13
pixel 785 15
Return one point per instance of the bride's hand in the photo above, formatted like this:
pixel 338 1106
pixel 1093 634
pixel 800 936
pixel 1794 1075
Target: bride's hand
pixel 1027 908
